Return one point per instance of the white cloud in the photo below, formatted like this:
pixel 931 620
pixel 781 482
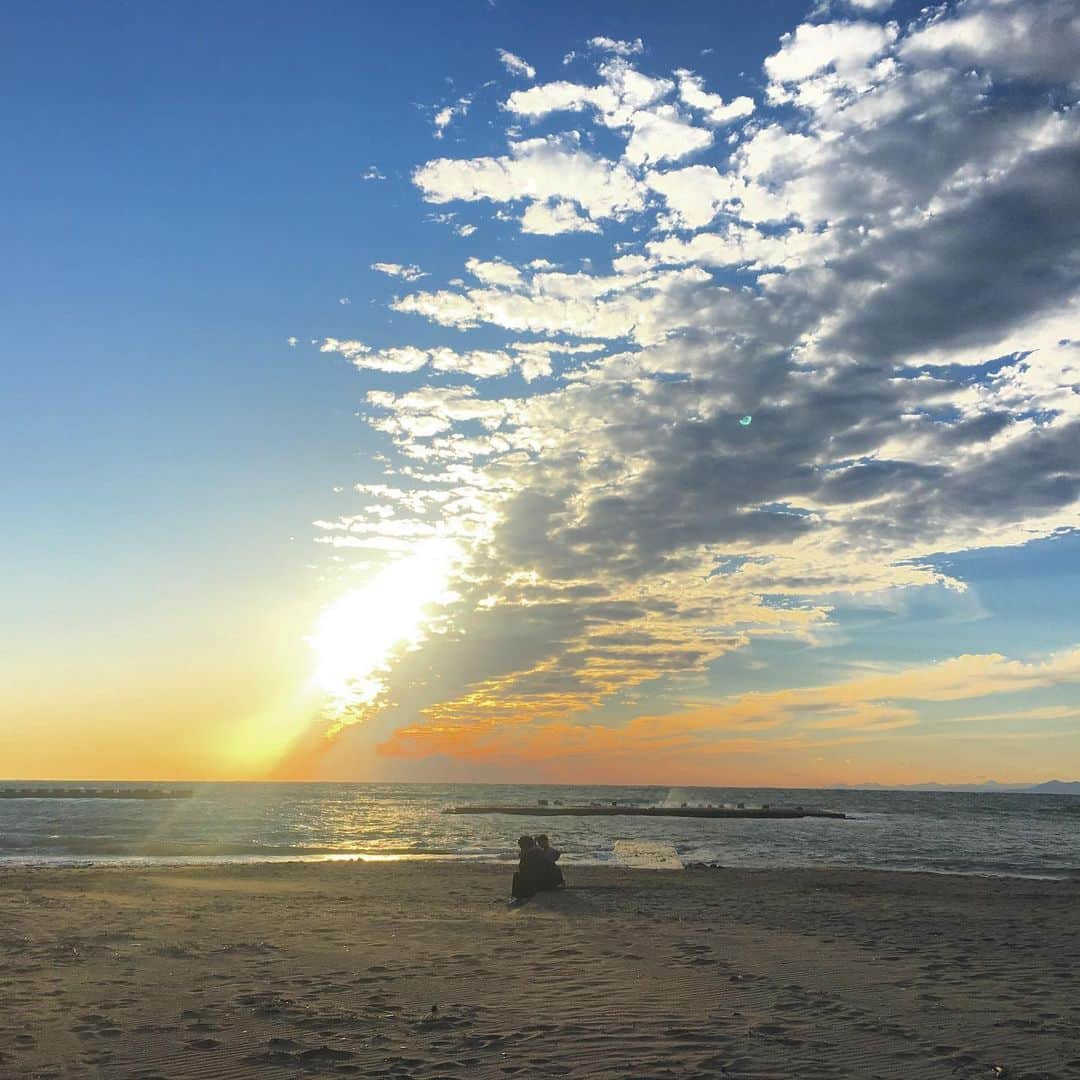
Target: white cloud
pixel 868 7
pixel 661 134
pixel 738 247
pixel 627 100
pixel 494 272
pixel 539 101
pixel 360 355
pixel 846 46
pixel 515 65
pixel 538 171
pixel 535 357
pixel 619 48
pixel 695 194
pixel 624 92
pixel 717 111
pixel 480 363
pixel 372 173
pixel 555 217
pixel 406 273
pixel 647 307
pixel 446 114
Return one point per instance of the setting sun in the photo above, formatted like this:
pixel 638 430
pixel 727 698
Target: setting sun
pixel 357 632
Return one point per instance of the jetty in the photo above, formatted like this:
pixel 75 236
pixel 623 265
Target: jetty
pixel 542 810
pixel 94 793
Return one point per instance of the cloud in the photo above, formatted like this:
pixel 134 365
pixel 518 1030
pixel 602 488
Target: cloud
pixel 661 134
pixel 619 48
pixel 536 171
pixel 494 272
pixel 406 273
pixel 554 217
pixel 1037 41
pixel 718 112
pixel 868 7
pixel 480 363
pixel 515 65
pixel 444 116
pixel 784 722
pixel 372 173
pixel 401 358
pixel 846 46
pixel 629 101
pixel 882 272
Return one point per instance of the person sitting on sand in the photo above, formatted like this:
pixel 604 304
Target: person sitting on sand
pixel 553 874
pixel 533 870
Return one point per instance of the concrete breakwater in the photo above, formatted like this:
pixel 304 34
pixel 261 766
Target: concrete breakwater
pixel 649 811
pixel 94 793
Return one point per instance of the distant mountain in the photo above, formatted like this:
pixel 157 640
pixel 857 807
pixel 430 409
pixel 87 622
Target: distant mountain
pixel 1051 787
pixel 989 785
pixel 1057 787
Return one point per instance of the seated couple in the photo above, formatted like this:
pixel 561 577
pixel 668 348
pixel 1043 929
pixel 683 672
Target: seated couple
pixel 536 870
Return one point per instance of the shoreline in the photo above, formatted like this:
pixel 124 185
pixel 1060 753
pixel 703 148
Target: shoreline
pixel 179 861
pixel 419 969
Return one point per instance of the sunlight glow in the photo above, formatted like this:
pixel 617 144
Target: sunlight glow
pixel 357 633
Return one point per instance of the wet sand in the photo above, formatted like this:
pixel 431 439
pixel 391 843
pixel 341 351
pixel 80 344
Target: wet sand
pixel 420 970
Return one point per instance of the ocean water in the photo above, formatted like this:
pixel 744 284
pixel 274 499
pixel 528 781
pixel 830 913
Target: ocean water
pixel 994 834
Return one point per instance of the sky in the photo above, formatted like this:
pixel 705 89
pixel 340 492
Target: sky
pixel 636 395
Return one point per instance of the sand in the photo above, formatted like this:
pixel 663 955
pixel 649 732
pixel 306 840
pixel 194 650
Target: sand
pixel 413 969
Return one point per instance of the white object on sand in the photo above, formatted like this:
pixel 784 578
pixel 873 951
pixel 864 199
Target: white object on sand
pixel 647 855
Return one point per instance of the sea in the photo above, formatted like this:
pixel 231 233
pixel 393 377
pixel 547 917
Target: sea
pixel 998 834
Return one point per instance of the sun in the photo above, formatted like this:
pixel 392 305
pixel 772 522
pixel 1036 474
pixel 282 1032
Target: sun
pixel 358 631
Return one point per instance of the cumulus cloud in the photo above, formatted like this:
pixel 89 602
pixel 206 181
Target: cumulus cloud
pixel 406 273
pixel 619 48
pixel 845 46
pixel 445 115
pixel 554 217
pixel 515 65
pixel 537 171
pixel 480 363
pixel 661 134
pixel 629 101
pixel 718 112
pixel 1035 41
pixel 865 7
pixel 845 270
pixel 494 272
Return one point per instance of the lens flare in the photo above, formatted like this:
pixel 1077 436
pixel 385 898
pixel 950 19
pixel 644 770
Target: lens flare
pixel 357 633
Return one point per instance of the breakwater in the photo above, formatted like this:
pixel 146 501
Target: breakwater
pixel 649 811
pixel 94 793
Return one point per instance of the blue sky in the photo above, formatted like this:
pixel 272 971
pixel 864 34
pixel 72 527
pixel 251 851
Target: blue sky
pixel 187 193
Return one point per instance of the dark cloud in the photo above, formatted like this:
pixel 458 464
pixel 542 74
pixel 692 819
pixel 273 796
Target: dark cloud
pixel 966 276
pixel 934 219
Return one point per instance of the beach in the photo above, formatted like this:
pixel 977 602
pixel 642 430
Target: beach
pixel 419 968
